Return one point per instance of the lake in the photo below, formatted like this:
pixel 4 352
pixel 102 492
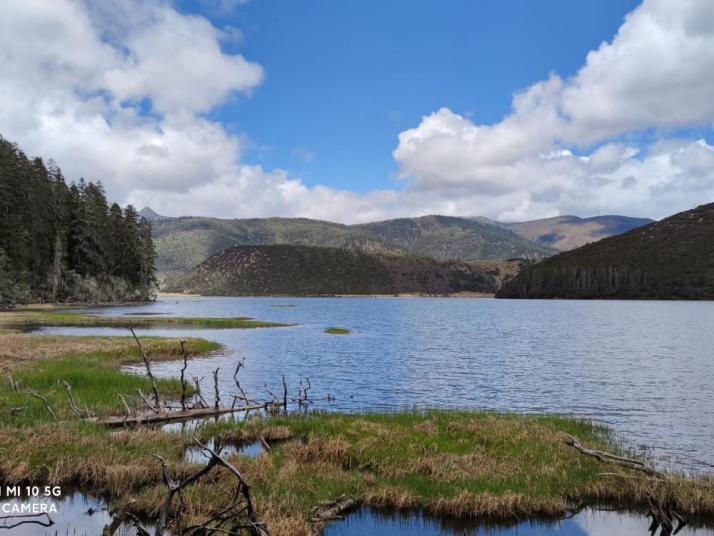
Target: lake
pixel 646 368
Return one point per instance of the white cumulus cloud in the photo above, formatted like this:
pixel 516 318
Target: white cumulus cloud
pixel 119 91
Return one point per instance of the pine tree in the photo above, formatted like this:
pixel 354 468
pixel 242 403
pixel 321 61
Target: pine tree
pixel 62 242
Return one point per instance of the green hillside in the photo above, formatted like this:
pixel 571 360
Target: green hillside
pixel 446 237
pixel 669 259
pixel 309 270
pixel 182 243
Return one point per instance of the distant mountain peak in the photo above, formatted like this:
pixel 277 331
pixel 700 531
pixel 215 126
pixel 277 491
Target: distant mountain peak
pixel 149 214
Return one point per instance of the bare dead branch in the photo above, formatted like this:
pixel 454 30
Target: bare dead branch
pixel 47 405
pixel 239 515
pixel 244 396
pixel 126 406
pixel 285 395
pixel 606 457
pixel 217 394
pixel 329 511
pixel 80 413
pixel 183 374
pixel 146 401
pixel 147 364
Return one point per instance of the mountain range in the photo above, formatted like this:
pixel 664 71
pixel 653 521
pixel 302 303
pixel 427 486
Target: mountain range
pixel 185 242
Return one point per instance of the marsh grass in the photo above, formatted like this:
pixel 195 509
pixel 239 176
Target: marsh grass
pixel 41 317
pixel 332 330
pixel 447 463
pixel 90 364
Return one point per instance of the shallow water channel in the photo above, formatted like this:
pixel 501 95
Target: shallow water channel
pixel 589 522
pixel 77 514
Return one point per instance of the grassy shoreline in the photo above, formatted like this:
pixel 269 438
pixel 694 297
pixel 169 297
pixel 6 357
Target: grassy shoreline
pixel 444 462
pixel 34 318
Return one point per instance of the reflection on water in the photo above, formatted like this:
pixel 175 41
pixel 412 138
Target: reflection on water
pixel 198 455
pixel 76 515
pixel 589 522
pixel 639 366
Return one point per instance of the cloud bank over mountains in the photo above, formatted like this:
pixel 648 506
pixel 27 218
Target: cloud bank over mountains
pixel 122 94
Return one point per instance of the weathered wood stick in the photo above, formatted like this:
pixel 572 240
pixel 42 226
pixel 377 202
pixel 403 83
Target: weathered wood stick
pixel 612 458
pixel 153 417
pixel 147 364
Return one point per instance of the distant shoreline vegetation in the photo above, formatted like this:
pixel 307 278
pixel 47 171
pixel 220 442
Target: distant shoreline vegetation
pixel 65 243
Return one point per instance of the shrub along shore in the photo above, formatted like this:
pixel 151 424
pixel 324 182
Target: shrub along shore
pixel 463 463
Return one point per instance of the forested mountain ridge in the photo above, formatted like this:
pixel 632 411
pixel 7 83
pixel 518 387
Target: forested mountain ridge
pixel 669 259
pixel 184 242
pixel 61 242
pixel 312 270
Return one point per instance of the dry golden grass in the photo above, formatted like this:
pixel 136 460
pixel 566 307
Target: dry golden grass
pixel 18 350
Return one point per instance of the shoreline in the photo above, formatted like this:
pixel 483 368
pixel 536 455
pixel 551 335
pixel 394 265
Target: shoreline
pixel 462 295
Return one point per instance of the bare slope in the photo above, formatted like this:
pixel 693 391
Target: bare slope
pixel 569 232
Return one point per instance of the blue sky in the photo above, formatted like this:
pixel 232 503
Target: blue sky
pixel 361 110
pixel 344 78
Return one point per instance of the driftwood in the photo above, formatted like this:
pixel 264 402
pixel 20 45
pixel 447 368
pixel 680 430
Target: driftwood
pixel 328 511
pixel 166 416
pixel 662 515
pixel 238 518
pixel 606 457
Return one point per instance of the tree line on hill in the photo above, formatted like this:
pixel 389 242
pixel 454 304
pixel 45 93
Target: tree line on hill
pixel 63 243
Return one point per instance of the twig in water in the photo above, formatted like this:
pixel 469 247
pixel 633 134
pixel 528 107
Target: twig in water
pixel 183 375
pixel 217 395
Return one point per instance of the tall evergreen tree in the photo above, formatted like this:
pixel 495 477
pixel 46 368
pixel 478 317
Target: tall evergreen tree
pixel 60 242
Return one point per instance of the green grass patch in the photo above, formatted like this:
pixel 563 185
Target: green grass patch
pixel 332 330
pixel 95 377
pixel 50 318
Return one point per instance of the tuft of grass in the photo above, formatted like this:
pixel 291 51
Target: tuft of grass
pixel 332 330
pixel 31 317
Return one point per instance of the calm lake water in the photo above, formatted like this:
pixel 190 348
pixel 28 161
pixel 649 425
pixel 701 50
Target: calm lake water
pixel 644 367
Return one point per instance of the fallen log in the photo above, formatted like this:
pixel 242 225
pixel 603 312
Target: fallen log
pixel 606 457
pixel 166 416
pixel 328 511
